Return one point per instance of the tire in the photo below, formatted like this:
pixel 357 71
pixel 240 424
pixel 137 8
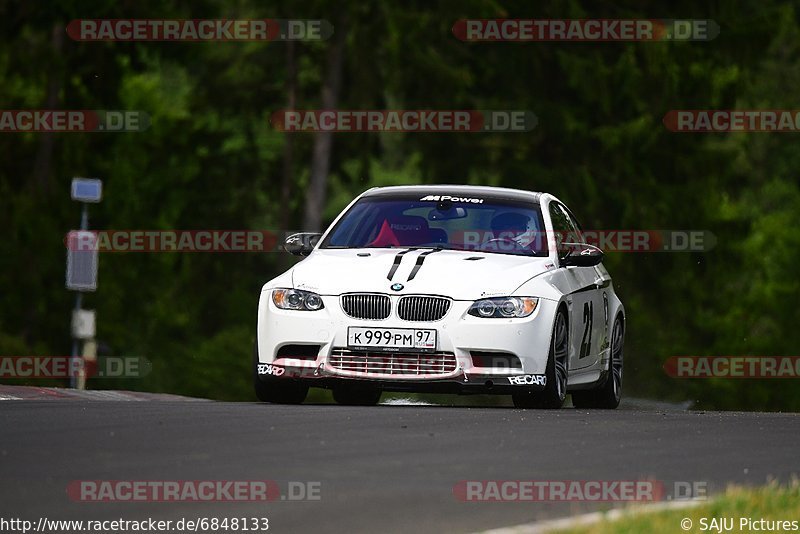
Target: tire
pixel 607 396
pixel 356 396
pixel 555 390
pixel 276 391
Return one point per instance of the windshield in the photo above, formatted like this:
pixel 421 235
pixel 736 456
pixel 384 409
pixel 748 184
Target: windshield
pixel 498 226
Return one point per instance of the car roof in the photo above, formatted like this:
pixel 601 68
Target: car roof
pixel 474 191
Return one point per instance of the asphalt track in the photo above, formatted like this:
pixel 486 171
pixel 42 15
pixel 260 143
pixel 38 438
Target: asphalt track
pixel 381 469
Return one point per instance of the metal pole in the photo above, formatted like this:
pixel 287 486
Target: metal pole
pixel 85 216
pixel 73 379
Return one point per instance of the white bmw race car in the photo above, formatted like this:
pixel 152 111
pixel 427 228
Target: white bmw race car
pixel 444 289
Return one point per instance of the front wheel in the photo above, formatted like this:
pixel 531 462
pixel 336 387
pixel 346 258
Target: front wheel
pixel 555 390
pixel 276 391
pixel 608 395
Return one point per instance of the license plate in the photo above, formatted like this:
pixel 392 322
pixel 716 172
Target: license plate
pixel 392 339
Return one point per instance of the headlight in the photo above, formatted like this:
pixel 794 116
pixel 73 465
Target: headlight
pixel 296 299
pixel 504 307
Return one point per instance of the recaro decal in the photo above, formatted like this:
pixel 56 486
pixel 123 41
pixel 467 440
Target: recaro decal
pixel 443 198
pixel 406 227
pixel 528 380
pixel 269 369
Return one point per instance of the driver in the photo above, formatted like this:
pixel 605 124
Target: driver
pixel 513 227
pixel 509 225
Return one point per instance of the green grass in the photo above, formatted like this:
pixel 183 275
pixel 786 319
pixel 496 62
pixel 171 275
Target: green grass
pixel 771 503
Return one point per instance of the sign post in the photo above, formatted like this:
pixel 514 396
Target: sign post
pixel 82 256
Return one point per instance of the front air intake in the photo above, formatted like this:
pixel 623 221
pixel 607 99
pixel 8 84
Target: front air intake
pixel 497 360
pixel 388 364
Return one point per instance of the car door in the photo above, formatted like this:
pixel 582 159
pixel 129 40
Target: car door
pixel 587 315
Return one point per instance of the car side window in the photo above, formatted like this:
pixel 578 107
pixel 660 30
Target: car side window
pixel 564 226
pixel 576 228
pixel 560 222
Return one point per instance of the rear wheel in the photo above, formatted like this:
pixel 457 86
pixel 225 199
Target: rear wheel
pixel 608 395
pixel 555 390
pixel 351 396
pixel 276 391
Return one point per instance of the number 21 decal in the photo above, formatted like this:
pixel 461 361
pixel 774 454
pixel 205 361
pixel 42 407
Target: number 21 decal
pixel 586 342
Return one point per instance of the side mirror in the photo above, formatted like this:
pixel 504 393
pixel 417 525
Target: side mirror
pixel 580 255
pixel 301 244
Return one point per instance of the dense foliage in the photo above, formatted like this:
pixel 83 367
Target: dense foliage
pixel 210 159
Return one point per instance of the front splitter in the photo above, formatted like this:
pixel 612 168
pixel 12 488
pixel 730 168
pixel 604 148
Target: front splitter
pixel 463 383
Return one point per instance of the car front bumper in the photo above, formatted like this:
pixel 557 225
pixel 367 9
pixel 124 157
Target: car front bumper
pixel 452 367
